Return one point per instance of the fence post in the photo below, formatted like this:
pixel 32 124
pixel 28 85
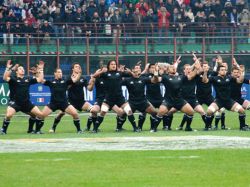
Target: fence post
pixel 28 54
pixel 117 47
pixel 203 49
pixel 232 49
pixel 87 55
pixel 175 49
pixel 146 51
pixel 57 53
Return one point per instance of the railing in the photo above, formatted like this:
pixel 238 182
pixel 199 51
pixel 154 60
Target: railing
pixel 85 49
pixel 132 29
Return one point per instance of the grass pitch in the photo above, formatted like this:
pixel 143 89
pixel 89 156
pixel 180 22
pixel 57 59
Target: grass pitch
pixel 213 167
pixel 127 168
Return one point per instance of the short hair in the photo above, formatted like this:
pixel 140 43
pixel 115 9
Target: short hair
pixel 185 65
pixel 57 69
pixel 150 65
pixel 234 68
pixel 75 63
pixel 220 66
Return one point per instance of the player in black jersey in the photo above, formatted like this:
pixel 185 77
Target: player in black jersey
pixel 219 115
pixel 204 90
pixel 99 97
pixel 236 88
pixel 221 83
pixel 173 99
pixel 188 93
pixel 137 99
pixel 76 97
pixel 58 101
pixel 113 93
pixel 20 101
pixel 153 93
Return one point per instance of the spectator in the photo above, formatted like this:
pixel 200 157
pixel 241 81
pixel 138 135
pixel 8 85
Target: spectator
pixel 8 30
pixel 184 26
pixel 96 27
pixel 149 24
pixel 121 6
pixel 27 31
pixel 228 8
pixel 163 23
pixel 47 31
pixel 160 4
pixel 70 9
pixel 138 25
pixel 90 10
pixel 31 19
pixel 34 9
pixel 45 10
pixel 17 10
pixel 17 34
pixel 217 8
pixel 127 20
pixel 102 8
pixel 79 19
pixel 224 28
pixel 58 23
pixel 240 5
pixel 200 26
pixel 11 17
pixel 212 22
pixel 52 7
pixel 131 7
pixel 143 7
pixel 107 27
pixel 244 20
pixel 116 21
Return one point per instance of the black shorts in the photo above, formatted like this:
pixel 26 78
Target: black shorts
pixel 58 106
pixel 140 106
pixel 239 100
pixel 119 101
pixel 23 107
pixel 193 102
pixel 177 103
pixel 208 100
pixel 99 101
pixel 77 104
pixel 155 103
pixel 227 104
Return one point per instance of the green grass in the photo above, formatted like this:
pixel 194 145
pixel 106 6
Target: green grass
pixel 19 125
pixel 127 168
pixel 212 167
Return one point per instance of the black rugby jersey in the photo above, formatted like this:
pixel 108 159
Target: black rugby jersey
pixel 203 89
pixel 236 89
pixel 100 90
pixel 153 90
pixel 113 83
pixel 75 91
pixel 136 88
pixel 58 88
pixel 173 85
pixel 20 87
pixel 188 88
pixel 222 86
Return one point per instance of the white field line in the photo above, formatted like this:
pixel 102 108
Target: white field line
pixel 124 143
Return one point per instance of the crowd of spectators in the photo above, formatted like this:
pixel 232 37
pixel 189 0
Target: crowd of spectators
pixel 128 18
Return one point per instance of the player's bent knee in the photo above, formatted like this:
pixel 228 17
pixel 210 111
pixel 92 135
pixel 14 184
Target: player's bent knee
pixel 238 108
pixel 127 109
pixel 211 110
pixel 104 108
